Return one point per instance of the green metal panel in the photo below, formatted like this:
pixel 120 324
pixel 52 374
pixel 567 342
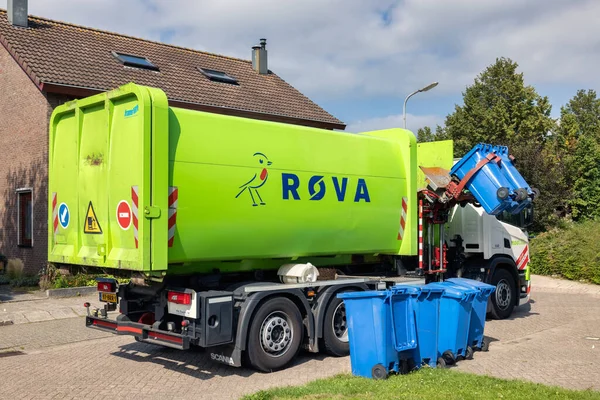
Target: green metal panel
pixel 233 193
pixel 213 156
pixel 100 148
pixel 433 154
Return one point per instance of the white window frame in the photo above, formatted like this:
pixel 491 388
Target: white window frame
pixel 19 192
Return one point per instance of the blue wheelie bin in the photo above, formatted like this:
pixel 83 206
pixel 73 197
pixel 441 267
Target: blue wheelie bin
pixel 478 312
pixel 374 342
pixel 454 319
pixel 427 310
pixel 488 185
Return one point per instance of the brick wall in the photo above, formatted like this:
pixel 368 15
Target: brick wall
pixel 24 115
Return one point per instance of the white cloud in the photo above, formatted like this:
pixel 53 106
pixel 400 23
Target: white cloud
pixel 413 123
pixel 344 48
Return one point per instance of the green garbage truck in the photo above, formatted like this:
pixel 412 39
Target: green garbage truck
pixel 238 234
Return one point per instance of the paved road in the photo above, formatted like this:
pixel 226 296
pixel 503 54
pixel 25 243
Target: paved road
pixel 544 342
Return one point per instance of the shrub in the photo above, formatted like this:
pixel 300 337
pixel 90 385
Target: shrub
pixel 571 252
pixel 67 281
pixel 14 269
pixel 59 277
pixel 25 281
pixel 47 276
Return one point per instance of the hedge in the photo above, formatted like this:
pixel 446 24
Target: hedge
pixel 572 252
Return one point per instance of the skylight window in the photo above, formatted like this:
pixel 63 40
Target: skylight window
pixel 130 60
pixel 218 76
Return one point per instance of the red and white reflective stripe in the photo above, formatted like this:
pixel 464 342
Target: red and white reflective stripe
pixel 420 234
pixel 523 258
pixel 173 196
pixel 403 218
pixel 134 211
pixel 55 214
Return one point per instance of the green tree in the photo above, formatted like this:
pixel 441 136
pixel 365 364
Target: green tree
pixel 581 115
pixel 576 145
pixel 499 108
pixel 585 203
pixel 427 135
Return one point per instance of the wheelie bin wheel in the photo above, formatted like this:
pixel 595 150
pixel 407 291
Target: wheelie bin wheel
pixel 448 357
pixel 379 372
pixel 469 353
pixel 502 193
pixel 441 363
pixel 485 345
pixel 404 368
pixel 407 366
pixel 522 194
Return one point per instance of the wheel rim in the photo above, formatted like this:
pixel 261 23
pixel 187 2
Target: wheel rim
pixel 339 324
pixel 503 294
pixel 276 334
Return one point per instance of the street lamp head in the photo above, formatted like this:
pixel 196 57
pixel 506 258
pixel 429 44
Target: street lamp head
pixel 426 88
pixel 429 87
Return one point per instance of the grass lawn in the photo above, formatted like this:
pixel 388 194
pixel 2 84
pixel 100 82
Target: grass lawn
pixel 430 384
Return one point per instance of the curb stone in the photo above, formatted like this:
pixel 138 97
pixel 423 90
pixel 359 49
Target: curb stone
pixel 71 292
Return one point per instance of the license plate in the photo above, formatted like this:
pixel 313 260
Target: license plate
pixel 108 297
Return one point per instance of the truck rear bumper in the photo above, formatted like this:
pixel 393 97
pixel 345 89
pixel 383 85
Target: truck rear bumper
pixel 142 332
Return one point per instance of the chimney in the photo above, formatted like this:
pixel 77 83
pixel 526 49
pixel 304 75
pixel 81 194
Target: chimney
pixel 17 12
pixel 259 57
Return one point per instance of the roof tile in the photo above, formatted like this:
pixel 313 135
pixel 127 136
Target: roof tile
pixel 66 54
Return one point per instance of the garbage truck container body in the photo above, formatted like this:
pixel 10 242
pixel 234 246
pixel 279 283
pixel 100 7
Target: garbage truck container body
pixel 136 184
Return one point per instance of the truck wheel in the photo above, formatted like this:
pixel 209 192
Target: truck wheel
pixel 275 334
pixel 503 298
pixel 335 329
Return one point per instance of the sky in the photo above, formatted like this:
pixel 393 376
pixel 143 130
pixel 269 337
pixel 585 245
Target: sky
pixel 359 59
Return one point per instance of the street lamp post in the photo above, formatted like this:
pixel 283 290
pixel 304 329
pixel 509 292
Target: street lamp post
pixel 426 88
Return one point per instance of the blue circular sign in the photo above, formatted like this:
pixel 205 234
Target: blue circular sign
pixel 63 215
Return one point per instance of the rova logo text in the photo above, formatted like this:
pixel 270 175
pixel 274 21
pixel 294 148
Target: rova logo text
pixel 317 188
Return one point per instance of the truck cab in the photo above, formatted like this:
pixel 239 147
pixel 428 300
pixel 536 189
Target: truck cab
pixel 494 249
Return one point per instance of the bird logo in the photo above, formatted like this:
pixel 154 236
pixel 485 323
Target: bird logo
pixel 257 181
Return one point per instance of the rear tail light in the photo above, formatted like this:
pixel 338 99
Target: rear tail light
pixel 106 287
pixel 179 298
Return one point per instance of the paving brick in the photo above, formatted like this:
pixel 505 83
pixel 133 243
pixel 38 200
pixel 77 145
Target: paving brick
pixel 65 312
pixel 16 318
pixel 543 342
pixel 37 316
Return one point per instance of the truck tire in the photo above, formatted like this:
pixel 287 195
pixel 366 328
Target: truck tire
pixel 335 329
pixel 505 295
pixel 275 335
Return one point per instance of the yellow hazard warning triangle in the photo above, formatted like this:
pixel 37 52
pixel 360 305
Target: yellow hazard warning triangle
pixel 91 224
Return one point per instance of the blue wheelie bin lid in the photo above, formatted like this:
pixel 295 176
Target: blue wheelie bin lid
pixel 412 290
pixel 455 291
pixel 359 295
pixel 485 288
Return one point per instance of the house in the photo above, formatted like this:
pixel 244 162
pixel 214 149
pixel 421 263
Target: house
pixel 44 63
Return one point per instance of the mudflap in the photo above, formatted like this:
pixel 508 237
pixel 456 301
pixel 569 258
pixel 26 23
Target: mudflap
pixel 226 354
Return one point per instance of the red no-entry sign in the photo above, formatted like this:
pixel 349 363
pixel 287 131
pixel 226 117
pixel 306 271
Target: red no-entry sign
pixel 124 214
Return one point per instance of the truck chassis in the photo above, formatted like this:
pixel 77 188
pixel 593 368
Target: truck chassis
pixel 260 324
